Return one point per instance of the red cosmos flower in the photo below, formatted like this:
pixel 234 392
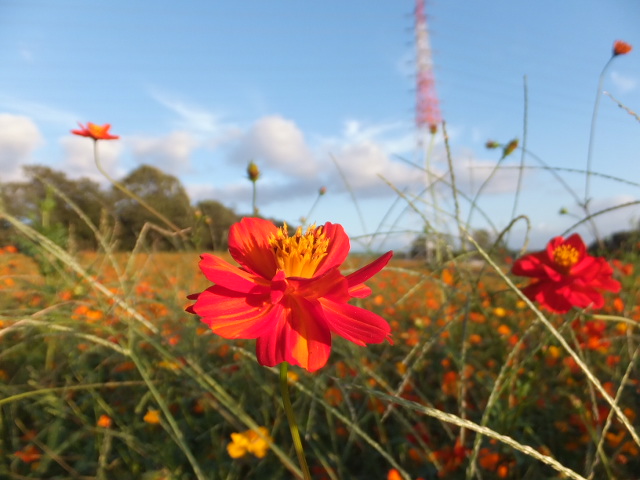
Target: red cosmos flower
pixel 288 293
pixel 621 48
pixel 566 275
pixel 97 132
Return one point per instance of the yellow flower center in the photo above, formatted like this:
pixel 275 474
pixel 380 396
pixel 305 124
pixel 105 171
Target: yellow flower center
pixel 299 255
pixel 566 256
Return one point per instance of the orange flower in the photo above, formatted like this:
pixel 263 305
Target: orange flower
pixel 393 475
pixel 152 417
pixel 333 396
pixel 621 48
pixel 288 293
pixel 29 454
pixel 104 421
pixel 97 132
pixel 250 441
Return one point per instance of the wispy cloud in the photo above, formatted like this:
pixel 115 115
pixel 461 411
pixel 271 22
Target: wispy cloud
pixel 39 112
pixel 171 153
pixel 624 83
pixel 191 117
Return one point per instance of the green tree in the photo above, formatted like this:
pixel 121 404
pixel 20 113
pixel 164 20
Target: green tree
pixel 49 201
pixel 213 223
pixel 162 192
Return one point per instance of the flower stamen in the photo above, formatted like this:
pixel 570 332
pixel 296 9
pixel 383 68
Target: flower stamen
pixel 565 256
pixel 301 254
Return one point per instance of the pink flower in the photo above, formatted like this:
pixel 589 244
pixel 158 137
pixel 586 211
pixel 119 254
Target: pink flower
pixel 288 293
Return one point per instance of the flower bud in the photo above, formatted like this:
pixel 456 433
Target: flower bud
pixel 253 172
pixel 510 147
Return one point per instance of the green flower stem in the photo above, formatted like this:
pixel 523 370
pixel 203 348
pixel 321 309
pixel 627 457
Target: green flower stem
pixel 254 203
pixel 293 426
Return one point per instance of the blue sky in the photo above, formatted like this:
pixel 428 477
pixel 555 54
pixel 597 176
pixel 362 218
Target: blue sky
pixel 199 88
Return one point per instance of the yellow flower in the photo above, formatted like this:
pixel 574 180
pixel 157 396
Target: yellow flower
pixel 250 441
pixel 152 417
pixel 500 312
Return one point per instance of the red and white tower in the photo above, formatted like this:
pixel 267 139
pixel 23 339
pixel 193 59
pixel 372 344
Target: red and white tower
pixel 427 105
pixel 427 120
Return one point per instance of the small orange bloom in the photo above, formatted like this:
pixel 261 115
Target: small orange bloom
pixel 333 396
pixel 250 441
pixel 104 421
pixel 152 417
pixel 29 454
pixel 97 132
pixel 450 383
pixel 394 475
pixel 621 48
pixel 504 330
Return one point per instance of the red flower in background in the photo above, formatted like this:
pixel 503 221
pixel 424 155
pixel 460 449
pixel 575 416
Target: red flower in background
pixel 566 276
pixel 621 48
pixel 97 132
pixel 288 293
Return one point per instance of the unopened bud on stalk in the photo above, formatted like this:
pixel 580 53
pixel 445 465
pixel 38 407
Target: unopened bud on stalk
pixel 253 172
pixel 510 147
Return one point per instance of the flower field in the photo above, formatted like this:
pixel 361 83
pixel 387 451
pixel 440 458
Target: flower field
pixel 288 355
pixel 104 375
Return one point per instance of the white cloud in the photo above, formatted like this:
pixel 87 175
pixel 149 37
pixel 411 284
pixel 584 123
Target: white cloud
pixel 363 163
pixel 623 83
pixel 170 153
pixel 19 137
pixel 471 173
pixel 278 143
pixel 78 160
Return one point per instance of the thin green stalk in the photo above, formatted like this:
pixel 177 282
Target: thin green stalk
pixel 315 203
pixel 525 131
pixel 594 117
pixel 351 193
pixel 254 203
pixel 454 190
pixel 293 426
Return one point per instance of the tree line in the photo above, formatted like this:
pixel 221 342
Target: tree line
pixel 80 214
